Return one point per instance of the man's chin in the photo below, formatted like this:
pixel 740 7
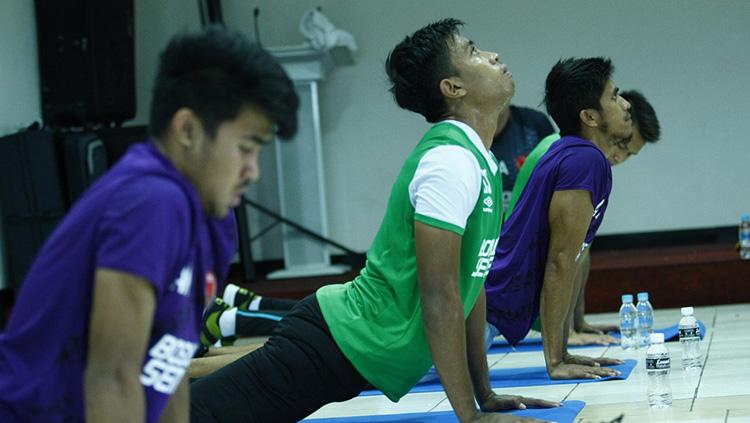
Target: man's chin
pixel 236 200
pixel 221 212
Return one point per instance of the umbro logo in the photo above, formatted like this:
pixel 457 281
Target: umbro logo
pixel 487 204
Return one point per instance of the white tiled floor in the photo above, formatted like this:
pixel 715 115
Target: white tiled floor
pixel 720 393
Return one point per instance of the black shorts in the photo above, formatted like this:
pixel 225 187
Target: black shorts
pixel 296 372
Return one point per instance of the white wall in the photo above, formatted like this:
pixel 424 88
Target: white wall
pixel 19 76
pixel 690 59
pixel 155 23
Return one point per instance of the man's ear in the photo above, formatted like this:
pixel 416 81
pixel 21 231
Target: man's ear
pixel 589 117
pixel 452 88
pixel 186 126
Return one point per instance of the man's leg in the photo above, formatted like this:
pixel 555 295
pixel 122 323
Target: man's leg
pixel 296 372
pixel 245 299
pixel 224 323
pixel 257 323
pixel 277 304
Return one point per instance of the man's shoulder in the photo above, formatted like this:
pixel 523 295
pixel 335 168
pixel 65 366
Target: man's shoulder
pixel 148 187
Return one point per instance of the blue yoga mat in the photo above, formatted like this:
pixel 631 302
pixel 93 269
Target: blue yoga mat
pixel 565 414
pixel 525 376
pixel 534 344
pixel 501 346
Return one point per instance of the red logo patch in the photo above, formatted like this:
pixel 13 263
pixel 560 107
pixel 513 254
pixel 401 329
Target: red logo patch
pixel 520 160
pixel 209 288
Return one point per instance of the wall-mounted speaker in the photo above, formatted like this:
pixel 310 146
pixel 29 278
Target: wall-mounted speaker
pixel 86 61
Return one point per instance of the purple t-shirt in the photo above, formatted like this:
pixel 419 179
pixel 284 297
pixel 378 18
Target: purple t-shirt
pixel 514 283
pixel 143 218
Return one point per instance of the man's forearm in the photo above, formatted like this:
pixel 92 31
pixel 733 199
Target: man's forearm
pixel 582 278
pixel 476 348
pixel 556 301
pixel 445 329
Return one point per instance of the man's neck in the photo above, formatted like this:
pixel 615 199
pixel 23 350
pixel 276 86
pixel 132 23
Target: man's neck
pixel 484 122
pixel 172 152
pixel 602 141
pixel 502 120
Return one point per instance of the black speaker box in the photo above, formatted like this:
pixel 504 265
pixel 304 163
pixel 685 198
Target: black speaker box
pixel 86 61
pixel 31 198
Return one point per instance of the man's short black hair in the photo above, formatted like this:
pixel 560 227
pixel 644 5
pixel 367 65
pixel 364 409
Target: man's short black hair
pixel 574 85
pixel 216 73
pixel 643 115
pixel 416 66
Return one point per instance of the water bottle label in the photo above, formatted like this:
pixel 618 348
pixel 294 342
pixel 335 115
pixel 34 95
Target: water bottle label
pixel 658 363
pixel 688 333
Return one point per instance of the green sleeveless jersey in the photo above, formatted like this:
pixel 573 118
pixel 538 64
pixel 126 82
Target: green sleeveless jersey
pixel 528 166
pixel 376 319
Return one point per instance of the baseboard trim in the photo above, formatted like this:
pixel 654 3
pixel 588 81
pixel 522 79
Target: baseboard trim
pixel 672 238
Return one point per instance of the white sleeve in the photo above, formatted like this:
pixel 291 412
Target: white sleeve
pixel 446 185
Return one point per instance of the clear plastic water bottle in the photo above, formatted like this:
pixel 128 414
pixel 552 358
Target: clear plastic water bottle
pixel 690 339
pixel 628 324
pixel 744 236
pixel 658 365
pixel 645 318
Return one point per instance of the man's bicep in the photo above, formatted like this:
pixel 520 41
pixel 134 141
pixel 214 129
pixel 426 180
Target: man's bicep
pixel 122 310
pixel 438 254
pixel 570 213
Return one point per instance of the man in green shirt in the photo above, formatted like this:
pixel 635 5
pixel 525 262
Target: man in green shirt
pixel 420 298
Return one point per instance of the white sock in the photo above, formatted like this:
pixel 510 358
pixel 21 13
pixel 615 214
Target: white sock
pixel 255 303
pixel 230 292
pixel 228 322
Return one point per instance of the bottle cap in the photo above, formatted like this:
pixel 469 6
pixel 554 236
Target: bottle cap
pixel 643 296
pixel 745 216
pixel 686 311
pixel 627 298
pixel 656 338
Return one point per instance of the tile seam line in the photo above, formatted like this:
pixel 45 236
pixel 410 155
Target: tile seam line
pixel 705 360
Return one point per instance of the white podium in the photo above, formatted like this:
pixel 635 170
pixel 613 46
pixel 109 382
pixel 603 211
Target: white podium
pixel 299 168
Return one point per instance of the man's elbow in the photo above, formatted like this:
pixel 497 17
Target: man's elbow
pixel 440 301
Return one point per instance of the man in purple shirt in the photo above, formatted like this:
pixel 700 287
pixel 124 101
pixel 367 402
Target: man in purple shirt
pixel 108 317
pixel 553 217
